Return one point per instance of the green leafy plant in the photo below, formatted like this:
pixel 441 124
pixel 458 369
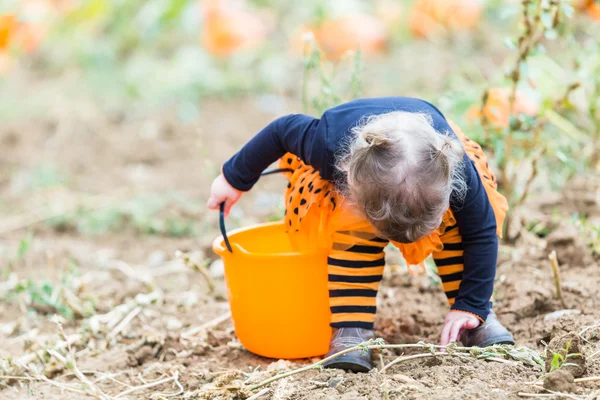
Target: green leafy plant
pixel 148 215
pixel 48 297
pixel 522 140
pixel 590 232
pixel 24 246
pixel 564 121
pixel 331 87
pixel 560 359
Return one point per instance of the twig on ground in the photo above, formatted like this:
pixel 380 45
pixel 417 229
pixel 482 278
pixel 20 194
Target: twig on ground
pixel 19 378
pixel 594 354
pixel 112 318
pixel 381 360
pixel 587 379
pixel 587 328
pixel 42 378
pixel 185 257
pixel 501 360
pixel 172 378
pixel 64 386
pixel 259 394
pixel 416 356
pixel 71 364
pixel 210 324
pixel 124 322
pixel 568 396
pixel 555 272
pixel 180 391
pixel 551 394
pixel 577 380
pixel 28 358
pixel 106 376
pixel 130 272
pixel 58 356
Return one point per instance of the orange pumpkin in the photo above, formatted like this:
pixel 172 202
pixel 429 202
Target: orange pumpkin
pixel 228 27
pixel 8 27
pixel 338 36
pixel 497 107
pixel 29 37
pixel 433 17
pixel 593 11
pixel 590 7
pixel 391 12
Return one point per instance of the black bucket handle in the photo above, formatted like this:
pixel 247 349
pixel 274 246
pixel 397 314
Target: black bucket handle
pixel 222 226
pixel 222 207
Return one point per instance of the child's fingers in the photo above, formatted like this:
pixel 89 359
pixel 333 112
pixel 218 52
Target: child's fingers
pixel 472 323
pixel 228 204
pixel 445 338
pixel 213 203
pixel 456 327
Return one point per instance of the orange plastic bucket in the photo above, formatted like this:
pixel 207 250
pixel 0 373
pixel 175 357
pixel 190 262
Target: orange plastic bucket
pixel 278 297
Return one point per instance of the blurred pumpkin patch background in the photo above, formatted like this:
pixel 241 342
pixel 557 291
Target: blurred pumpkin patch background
pixel 117 114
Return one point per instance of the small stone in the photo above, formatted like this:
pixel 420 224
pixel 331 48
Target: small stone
pixel 173 324
pixel 280 365
pixel 556 315
pixel 403 378
pixel 188 299
pixel 156 259
pixel 8 329
pixel 333 382
pixel 217 269
pixel 560 380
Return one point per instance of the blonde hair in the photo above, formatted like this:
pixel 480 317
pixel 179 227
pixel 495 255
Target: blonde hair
pixel 401 174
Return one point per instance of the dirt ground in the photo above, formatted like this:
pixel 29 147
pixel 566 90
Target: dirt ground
pixel 150 307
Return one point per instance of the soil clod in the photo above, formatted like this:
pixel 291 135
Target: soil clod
pixel 560 380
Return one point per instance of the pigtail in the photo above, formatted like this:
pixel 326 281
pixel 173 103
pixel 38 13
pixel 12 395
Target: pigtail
pixel 375 139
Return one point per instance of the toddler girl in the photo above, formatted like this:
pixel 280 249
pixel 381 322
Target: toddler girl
pixel 374 171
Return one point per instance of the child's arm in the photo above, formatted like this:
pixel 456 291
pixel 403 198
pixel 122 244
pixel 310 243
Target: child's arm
pixel 477 226
pixel 297 134
pixel 294 133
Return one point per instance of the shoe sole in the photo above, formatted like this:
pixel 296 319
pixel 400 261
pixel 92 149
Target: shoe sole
pixel 349 364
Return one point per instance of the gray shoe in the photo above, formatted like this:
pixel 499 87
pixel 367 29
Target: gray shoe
pixel 492 332
pixel 355 361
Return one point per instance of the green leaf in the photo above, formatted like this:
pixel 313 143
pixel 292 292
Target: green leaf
pixel 546 18
pixel 509 44
pixel 526 356
pixel 174 10
pixel 562 156
pixel 556 362
pixel 24 246
pixel 551 34
pixel 567 9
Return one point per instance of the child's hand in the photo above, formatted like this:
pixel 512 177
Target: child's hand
pixel 221 191
pixel 455 323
